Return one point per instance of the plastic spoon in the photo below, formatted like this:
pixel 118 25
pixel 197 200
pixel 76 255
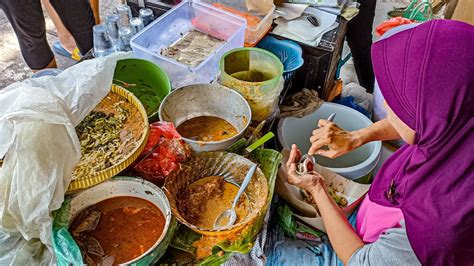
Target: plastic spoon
pixel 302 165
pixel 228 217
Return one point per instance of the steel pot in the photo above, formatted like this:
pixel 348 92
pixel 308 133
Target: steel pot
pixel 207 100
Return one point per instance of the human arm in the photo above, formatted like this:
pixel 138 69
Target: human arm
pixel 343 238
pixel 341 142
pixel 392 248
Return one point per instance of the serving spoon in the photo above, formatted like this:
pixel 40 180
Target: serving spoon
pixel 305 159
pixel 227 218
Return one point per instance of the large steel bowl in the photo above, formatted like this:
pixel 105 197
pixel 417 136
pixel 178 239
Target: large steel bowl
pixel 207 100
pixel 133 187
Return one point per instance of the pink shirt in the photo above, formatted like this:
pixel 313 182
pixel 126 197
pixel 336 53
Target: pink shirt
pixel 373 219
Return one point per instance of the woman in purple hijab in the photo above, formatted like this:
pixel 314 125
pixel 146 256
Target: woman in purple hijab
pixel 420 207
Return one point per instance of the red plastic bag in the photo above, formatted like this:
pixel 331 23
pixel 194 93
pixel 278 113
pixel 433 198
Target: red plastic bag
pixel 162 154
pixel 391 23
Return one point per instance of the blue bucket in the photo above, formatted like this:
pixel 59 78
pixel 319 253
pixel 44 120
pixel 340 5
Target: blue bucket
pixel 289 53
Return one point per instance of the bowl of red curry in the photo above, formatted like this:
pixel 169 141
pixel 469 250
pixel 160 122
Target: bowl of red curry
pixel 124 220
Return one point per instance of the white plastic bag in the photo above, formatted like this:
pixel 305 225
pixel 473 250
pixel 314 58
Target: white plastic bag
pixel 361 97
pixel 40 148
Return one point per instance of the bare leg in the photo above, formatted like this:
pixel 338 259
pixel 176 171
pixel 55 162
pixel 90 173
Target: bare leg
pixel 95 10
pixel 65 37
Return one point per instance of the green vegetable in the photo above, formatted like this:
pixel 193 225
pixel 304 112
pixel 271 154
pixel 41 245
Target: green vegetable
pixel 65 248
pixel 184 238
pixel 101 142
pixel 288 224
pixel 286 220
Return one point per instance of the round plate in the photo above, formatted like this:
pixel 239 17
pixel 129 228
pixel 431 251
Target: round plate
pixel 88 181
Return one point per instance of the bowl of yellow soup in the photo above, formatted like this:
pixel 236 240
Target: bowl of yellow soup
pixel 209 117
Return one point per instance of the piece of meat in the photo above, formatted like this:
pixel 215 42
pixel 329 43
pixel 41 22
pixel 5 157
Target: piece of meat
pixel 88 223
pixel 93 246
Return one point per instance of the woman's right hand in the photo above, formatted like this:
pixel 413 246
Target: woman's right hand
pixel 338 140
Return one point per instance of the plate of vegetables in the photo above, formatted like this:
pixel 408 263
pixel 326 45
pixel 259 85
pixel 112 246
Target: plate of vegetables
pixel 112 136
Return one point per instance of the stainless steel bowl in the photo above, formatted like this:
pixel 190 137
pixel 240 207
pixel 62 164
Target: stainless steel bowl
pixel 207 100
pixel 134 187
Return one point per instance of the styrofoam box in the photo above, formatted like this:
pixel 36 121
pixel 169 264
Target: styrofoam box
pixel 170 27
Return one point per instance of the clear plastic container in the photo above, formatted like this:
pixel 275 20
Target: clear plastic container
pixel 176 23
pixel 258 13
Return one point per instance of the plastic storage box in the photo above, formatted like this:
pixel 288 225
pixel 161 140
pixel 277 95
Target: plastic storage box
pixel 259 16
pixel 173 25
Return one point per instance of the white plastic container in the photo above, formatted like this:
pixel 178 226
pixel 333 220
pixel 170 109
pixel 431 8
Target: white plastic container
pixel 355 165
pixel 178 21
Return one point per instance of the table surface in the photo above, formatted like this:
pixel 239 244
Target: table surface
pixel 296 250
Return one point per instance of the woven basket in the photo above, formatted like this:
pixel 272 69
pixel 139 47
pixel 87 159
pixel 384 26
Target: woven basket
pixel 88 181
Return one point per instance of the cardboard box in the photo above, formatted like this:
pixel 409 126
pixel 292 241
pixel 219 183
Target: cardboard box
pixel 352 191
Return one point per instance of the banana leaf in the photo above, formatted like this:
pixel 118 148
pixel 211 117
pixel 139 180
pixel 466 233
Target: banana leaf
pixel 269 162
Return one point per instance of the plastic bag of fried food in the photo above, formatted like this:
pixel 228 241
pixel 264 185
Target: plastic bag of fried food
pixel 163 152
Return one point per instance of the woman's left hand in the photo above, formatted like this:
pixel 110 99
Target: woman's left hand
pixel 312 182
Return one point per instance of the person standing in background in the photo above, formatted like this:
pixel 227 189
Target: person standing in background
pixel 27 20
pixel 359 38
pixel 66 46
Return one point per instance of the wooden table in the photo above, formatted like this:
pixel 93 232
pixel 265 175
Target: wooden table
pixel 321 62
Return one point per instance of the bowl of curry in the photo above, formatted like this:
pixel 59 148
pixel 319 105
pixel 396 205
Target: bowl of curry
pixel 206 185
pixel 209 117
pixel 123 220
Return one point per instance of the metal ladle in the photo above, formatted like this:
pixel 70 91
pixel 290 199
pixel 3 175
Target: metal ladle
pixel 302 162
pixel 228 217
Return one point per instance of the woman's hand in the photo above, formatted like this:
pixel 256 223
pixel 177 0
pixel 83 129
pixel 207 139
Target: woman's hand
pixel 312 182
pixel 338 140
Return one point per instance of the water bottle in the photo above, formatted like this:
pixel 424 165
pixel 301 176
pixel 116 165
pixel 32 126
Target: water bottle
pixel 146 15
pixel 103 45
pixel 136 24
pixel 125 14
pixel 125 34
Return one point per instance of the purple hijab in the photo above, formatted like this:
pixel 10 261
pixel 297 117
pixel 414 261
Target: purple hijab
pixel 426 75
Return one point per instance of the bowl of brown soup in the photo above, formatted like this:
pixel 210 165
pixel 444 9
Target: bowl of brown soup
pixel 206 185
pixel 209 117
pixel 124 220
